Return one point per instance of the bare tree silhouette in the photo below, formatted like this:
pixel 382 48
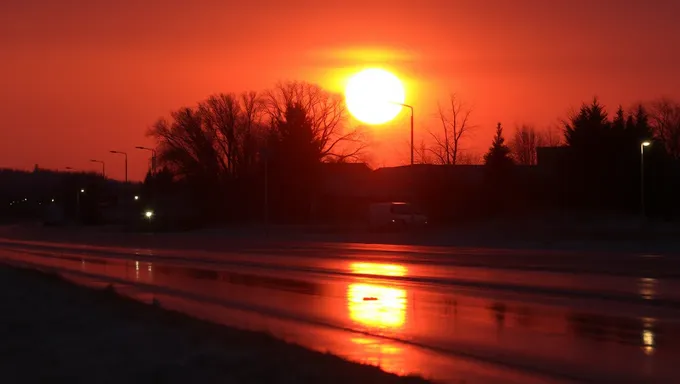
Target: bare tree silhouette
pixel 219 138
pixel 186 147
pixel 220 118
pixel 327 114
pixel 524 143
pixel 665 121
pixel 551 136
pixel 423 153
pixel 455 126
pixel 469 158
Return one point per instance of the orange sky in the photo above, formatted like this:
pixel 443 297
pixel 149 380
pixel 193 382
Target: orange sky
pixel 79 78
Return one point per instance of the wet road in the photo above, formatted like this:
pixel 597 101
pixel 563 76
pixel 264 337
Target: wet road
pixel 450 314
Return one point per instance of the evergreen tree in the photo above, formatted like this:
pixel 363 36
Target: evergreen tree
pixel 641 130
pixel 630 122
pixel 603 158
pixel 295 163
pixel 619 122
pixel 588 130
pixel 618 135
pixel 498 166
pixel 498 156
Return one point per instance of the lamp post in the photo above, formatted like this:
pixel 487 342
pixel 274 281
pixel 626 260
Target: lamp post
pixel 103 166
pixel 265 155
pixel 411 108
pixel 124 154
pixel 412 177
pixel 153 158
pixel 78 203
pixel 642 177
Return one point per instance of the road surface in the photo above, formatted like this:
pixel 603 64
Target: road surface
pixel 451 314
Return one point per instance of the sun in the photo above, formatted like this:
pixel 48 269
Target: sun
pixel 374 95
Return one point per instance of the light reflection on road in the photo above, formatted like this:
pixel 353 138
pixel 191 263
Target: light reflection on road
pixel 378 269
pixel 383 307
pixel 647 287
pixel 377 306
pixel 648 342
pixel 381 353
pixel 374 305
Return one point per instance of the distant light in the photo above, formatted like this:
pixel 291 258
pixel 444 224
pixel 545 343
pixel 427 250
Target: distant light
pixel 53 200
pixel 82 191
pixel 136 197
pixel 646 143
pixel 148 214
pixel 25 199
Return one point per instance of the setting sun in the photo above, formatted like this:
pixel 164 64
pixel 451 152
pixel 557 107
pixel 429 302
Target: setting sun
pixel 374 96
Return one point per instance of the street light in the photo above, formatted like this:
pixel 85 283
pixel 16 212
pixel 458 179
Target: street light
pixel 153 158
pixel 82 190
pixel 644 144
pixel 124 154
pixel 103 166
pixel 264 153
pixel 411 108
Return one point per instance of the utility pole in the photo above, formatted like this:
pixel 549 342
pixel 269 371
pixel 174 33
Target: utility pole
pixel 644 144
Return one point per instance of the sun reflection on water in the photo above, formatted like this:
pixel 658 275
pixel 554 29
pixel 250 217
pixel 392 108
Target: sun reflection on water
pixel 373 304
pixel 376 305
pixel 378 269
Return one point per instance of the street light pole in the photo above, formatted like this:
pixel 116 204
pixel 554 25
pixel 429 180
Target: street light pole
pixel 153 158
pixel 412 177
pixel 103 166
pixel 411 108
pixel 265 155
pixel 126 167
pixel 78 203
pixel 266 195
pixel 642 177
pixel 411 133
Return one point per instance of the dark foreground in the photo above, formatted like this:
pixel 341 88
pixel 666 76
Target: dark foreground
pixel 55 331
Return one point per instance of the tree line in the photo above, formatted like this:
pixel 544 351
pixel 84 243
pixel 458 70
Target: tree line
pixel 619 164
pixel 221 147
pixel 270 145
pixel 657 120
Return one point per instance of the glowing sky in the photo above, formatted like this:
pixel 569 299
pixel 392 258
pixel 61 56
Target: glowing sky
pixel 79 78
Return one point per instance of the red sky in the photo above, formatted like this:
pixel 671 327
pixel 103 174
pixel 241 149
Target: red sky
pixel 81 77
